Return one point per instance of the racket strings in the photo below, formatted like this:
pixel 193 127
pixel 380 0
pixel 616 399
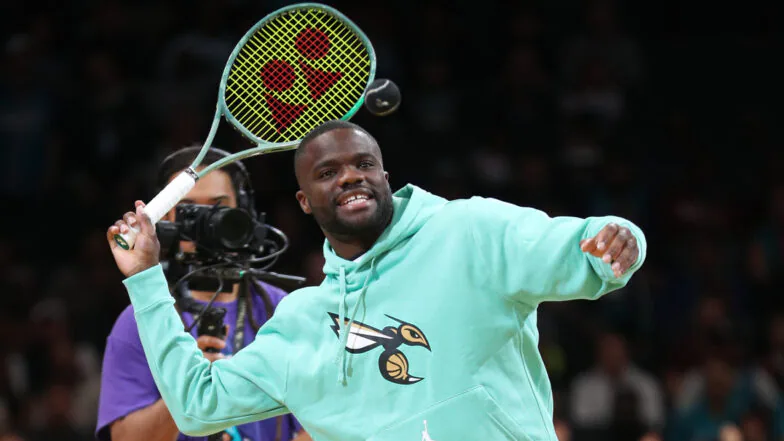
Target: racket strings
pixel 248 83
pixel 347 41
pixel 358 62
pixel 300 69
pixel 316 82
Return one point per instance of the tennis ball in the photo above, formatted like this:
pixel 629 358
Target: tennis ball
pixel 382 97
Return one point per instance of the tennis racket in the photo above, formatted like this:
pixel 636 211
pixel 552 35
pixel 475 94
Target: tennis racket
pixel 297 68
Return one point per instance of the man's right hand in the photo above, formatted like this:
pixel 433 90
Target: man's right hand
pixel 146 250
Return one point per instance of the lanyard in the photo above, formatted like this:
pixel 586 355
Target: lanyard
pixel 242 306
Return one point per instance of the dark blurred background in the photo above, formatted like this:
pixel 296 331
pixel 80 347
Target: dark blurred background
pixel 661 112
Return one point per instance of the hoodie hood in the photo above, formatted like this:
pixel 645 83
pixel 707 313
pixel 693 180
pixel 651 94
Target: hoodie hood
pixel 413 206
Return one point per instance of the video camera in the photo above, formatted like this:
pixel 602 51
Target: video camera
pixel 228 243
pixel 217 230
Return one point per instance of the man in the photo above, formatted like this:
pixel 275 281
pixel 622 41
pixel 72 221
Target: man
pixel 424 327
pixel 130 404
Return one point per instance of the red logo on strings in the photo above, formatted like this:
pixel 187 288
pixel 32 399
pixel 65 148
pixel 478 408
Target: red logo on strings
pixel 279 76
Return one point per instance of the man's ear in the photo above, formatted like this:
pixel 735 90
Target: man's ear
pixel 386 176
pixel 304 204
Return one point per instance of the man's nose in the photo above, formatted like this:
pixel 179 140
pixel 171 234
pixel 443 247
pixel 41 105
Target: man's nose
pixel 349 176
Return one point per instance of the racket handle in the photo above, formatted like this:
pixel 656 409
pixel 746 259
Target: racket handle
pixel 160 205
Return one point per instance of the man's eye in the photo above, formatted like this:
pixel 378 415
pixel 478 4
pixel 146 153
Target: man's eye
pixel 325 173
pixel 365 164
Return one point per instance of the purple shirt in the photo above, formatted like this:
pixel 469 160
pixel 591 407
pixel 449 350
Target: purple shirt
pixel 127 384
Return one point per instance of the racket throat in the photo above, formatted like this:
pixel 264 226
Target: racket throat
pixel 192 173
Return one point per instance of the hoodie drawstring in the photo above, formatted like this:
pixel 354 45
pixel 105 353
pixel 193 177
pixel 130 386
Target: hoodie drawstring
pixel 341 313
pixel 344 331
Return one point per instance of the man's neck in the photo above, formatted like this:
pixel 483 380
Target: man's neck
pixel 349 249
pixel 223 297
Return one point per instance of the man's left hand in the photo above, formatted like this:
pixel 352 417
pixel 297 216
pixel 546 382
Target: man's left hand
pixel 615 245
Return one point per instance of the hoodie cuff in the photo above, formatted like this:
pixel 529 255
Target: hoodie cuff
pixel 148 288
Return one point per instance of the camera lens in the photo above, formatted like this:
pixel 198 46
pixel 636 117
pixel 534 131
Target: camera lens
pixel 232 227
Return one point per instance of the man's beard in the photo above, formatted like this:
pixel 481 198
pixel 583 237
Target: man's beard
pixel 330 222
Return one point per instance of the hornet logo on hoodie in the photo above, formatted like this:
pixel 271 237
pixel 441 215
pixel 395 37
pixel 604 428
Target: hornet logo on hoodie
pixel 392 363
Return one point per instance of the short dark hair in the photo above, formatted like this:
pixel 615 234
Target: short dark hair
pixel 182 159
pixel 324 128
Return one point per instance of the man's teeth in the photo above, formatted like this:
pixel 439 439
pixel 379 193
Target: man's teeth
pixel 355 199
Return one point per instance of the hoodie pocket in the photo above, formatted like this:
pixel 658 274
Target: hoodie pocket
pixel 472 415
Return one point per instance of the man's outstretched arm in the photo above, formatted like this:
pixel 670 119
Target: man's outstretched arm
pixel 534 258
pixel 203 397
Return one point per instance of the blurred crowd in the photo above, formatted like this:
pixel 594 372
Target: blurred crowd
pixel 574 107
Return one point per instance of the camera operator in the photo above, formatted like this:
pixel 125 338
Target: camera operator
pixel 130 405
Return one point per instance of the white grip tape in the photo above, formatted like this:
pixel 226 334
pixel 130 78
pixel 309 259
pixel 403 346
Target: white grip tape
pixel 160 205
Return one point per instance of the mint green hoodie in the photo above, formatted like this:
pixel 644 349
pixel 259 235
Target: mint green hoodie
pixel 442 335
